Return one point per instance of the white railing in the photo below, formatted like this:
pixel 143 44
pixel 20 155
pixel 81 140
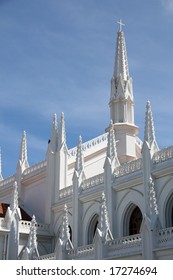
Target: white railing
pixel 8 181
pixel 88 183
pixel 66 192
pixel 25 225
pixel 93 181
pixel 82 251
pixel 164 235
pixel 163 155
pixel 127 168
pixel 125 242
pixel 36 167
pixel 89 144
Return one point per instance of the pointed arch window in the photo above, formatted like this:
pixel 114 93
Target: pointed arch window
pixel 169 212
pixel 132 220
pixel 135 221
pixel 92 228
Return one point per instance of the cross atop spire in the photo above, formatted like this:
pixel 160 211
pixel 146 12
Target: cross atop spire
pixel 120 24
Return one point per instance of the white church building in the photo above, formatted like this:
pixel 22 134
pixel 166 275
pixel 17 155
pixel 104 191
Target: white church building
pixel 108 198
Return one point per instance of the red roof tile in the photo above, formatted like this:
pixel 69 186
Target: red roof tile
pixel 3 210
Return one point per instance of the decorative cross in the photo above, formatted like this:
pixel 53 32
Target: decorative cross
pixel 121 24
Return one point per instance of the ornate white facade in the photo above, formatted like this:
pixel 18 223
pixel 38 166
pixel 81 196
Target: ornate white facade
pixel 108 198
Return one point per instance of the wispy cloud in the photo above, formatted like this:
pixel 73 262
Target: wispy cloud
pixel 168 5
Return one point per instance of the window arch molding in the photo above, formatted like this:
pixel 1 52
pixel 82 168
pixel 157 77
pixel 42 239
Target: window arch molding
pixel 130 198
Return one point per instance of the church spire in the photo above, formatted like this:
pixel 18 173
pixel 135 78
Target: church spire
pixel 121 102
pixel 149 135
pixel 121 62
pixel 121 99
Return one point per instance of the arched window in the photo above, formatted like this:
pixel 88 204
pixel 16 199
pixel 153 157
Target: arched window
pixel 92 228
pixel 169 212
pixel 135 221
pixel 70 231
pixel 132 220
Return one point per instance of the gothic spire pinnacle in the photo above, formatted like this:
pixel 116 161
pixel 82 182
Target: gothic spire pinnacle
pixel 54 137
pixel 65 233
pixel 30 251
pixel 121 63
pixel 54 125
pixel 111 147
pixel 14 200
pixel 62 134
pixel 103 225
pixel 23 151
pixel 79 164
pixel 149 135
pixel 111 155
pixel 32 239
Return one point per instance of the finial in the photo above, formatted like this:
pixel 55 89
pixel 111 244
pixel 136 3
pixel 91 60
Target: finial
pixel 120 24
pixel 62 133
pixel 23 152
pixel 103 225
pixel 79 164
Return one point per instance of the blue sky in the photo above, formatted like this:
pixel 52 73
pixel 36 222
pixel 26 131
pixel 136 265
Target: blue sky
pixel 58 56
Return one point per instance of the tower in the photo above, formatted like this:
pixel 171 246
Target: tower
pixel 122 103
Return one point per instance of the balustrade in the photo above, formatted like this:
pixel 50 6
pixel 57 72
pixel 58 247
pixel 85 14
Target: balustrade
pixel 89 144
pixel 127 168
pixel 163 155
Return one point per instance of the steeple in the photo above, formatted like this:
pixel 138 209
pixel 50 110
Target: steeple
pixel 121 62
pixel 149 135
pixel 121 102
